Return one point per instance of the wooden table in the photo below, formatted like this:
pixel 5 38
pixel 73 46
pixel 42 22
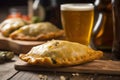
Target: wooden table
pixel 8 72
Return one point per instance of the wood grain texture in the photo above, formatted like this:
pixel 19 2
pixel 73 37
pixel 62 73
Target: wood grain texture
pixel 7 72
pixel 7 69
pixel 28 75
pixel 97 66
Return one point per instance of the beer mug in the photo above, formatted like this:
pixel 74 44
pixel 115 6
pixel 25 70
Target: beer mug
pixel 77 21
pixel 116 28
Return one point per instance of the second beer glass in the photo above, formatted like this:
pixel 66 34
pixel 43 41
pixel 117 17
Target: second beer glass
pixel 77 21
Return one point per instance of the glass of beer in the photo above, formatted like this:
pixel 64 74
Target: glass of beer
pixel 77 21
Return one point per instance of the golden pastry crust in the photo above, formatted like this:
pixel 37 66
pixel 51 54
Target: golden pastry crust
pixel 10 25
pixel 60 53
pixel 39 31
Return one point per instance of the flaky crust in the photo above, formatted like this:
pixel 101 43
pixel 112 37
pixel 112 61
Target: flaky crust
pixel 10 25
pixel 58 53
pixel 38 31
pixel 39 37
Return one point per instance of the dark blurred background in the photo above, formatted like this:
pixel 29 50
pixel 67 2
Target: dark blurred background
pixel 6 5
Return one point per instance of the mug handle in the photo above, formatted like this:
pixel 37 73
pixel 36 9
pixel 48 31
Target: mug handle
pixel 97 27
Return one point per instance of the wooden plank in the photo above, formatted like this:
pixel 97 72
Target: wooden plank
pixel 105 77
pixel 22 75
pixel 28 75
pixel 7 69
pixel 8 74
pixel 17 46
pixel 97 66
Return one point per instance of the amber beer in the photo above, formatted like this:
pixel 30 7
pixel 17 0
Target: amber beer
pixel 77 21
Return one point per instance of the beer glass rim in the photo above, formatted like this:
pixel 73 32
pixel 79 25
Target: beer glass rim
pixel 77 6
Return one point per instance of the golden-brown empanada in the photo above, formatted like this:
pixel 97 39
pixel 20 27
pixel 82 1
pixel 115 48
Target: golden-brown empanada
pixel 60 53
pixel 38 31
pixel 10 25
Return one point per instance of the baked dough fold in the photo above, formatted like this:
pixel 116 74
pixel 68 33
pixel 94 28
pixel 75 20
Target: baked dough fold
pixel 10 25
pixel 56 53
pixel 39 31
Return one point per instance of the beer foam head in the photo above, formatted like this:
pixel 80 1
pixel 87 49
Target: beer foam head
pixel 76 7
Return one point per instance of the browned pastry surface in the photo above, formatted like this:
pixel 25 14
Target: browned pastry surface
pixel 39 31
pixel 56 53
pixel 10 25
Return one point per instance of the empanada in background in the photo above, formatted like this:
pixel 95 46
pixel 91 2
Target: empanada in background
pixel 38 31
pixel 56 53
pixel 10 25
